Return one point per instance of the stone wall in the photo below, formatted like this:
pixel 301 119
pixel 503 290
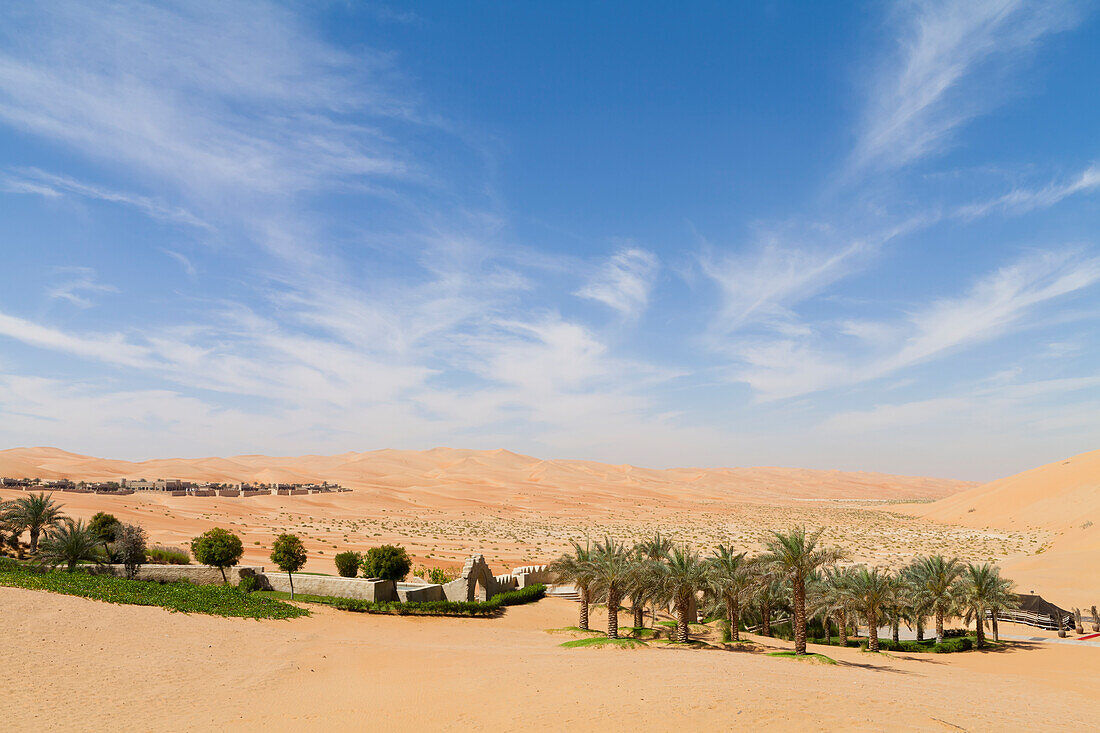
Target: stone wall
pixel 198 574
pixel 532 574
pixel 420 593
pixel 330 585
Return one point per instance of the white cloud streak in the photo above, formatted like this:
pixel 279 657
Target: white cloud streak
pixel 933 87
pixel 624 282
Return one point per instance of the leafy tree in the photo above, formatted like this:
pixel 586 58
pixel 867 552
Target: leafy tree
pixel 290 556
pixel 576 568
pixel 104 526
pixel 347 563
pixel 388 562
pixel 795 556
pixel 218 548
pixel 934 582
pixel 69 544
pixel 35 513
pixel 129 547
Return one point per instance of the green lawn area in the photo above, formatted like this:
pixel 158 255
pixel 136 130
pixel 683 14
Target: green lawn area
pixel 181 596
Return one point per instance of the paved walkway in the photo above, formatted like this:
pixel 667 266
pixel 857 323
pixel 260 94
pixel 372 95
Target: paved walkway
pixel 1083 641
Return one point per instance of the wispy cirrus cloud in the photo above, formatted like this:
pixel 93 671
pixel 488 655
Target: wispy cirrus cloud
pixel 78 285
pixel 1022 200
pixel 623 282
pixel 950 57
pixel 50 185
pixel 781 366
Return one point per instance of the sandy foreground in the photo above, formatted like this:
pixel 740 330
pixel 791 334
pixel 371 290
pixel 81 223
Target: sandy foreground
pixel 97 666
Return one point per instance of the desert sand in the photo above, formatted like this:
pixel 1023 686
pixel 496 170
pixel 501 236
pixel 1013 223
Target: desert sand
pixel 1061 499
pixel 97 667
pixel 444 504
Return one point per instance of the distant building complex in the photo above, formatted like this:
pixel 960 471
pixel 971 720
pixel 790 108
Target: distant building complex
pixel 175 487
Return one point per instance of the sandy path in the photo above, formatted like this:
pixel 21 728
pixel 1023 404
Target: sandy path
pixel 83 665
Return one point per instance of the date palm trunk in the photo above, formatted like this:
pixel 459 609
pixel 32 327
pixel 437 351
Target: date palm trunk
pixel 842 628
pixel 920 628
pixel 582 620
pixel 34 539
pixel 979 624
pixel 872 630
pixel 939 624
pixel 766 619
pixel 733 615
pixel 612 615
pixel 639 616
pixel 682 605
pixel 895 625
pixel 996 631
pixel 799 616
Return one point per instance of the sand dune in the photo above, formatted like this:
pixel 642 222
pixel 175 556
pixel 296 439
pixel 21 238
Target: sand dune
pixel 489 475
pixel 1061 497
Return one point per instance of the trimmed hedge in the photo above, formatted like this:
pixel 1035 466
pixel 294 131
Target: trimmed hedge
pixel 958 644
pixel 481 609
pixel 182 596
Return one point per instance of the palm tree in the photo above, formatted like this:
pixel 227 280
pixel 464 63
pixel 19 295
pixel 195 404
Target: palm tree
pixel 935 585
pixel 918 607
pixel 976 590
pixel 873 590
pixel 770 593
pixel 681 576
pixel 656 549
pixel 796 555
pixel 1003 598
pixel 834 598
pixel 731 581
pixel 69 544
pixel 643 584
pixel 612 571
pixel 576 568
pixel 35 513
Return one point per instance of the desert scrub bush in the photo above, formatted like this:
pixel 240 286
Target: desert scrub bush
pixel 347 563
pixel 181 596
pixel 129 547
pixel 247 584
pixel 160 555
pixel 388 562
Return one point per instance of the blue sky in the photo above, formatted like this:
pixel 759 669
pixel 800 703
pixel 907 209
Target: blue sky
pixel 855 237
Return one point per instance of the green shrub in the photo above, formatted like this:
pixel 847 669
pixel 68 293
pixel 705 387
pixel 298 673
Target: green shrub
pixel 959 644
pixel 160 555
pixel 347 563
pixel 7 565
pixel 388 562
pixel 129 547
pixel 219 548
pixel 444 608
pixel 247 584
pixel 182 596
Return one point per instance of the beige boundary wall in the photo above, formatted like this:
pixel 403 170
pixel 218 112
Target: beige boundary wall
pixel 476 584
pixel 330 585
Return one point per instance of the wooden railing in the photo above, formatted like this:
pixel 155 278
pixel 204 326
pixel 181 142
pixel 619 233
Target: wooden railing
pixel 1038 620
